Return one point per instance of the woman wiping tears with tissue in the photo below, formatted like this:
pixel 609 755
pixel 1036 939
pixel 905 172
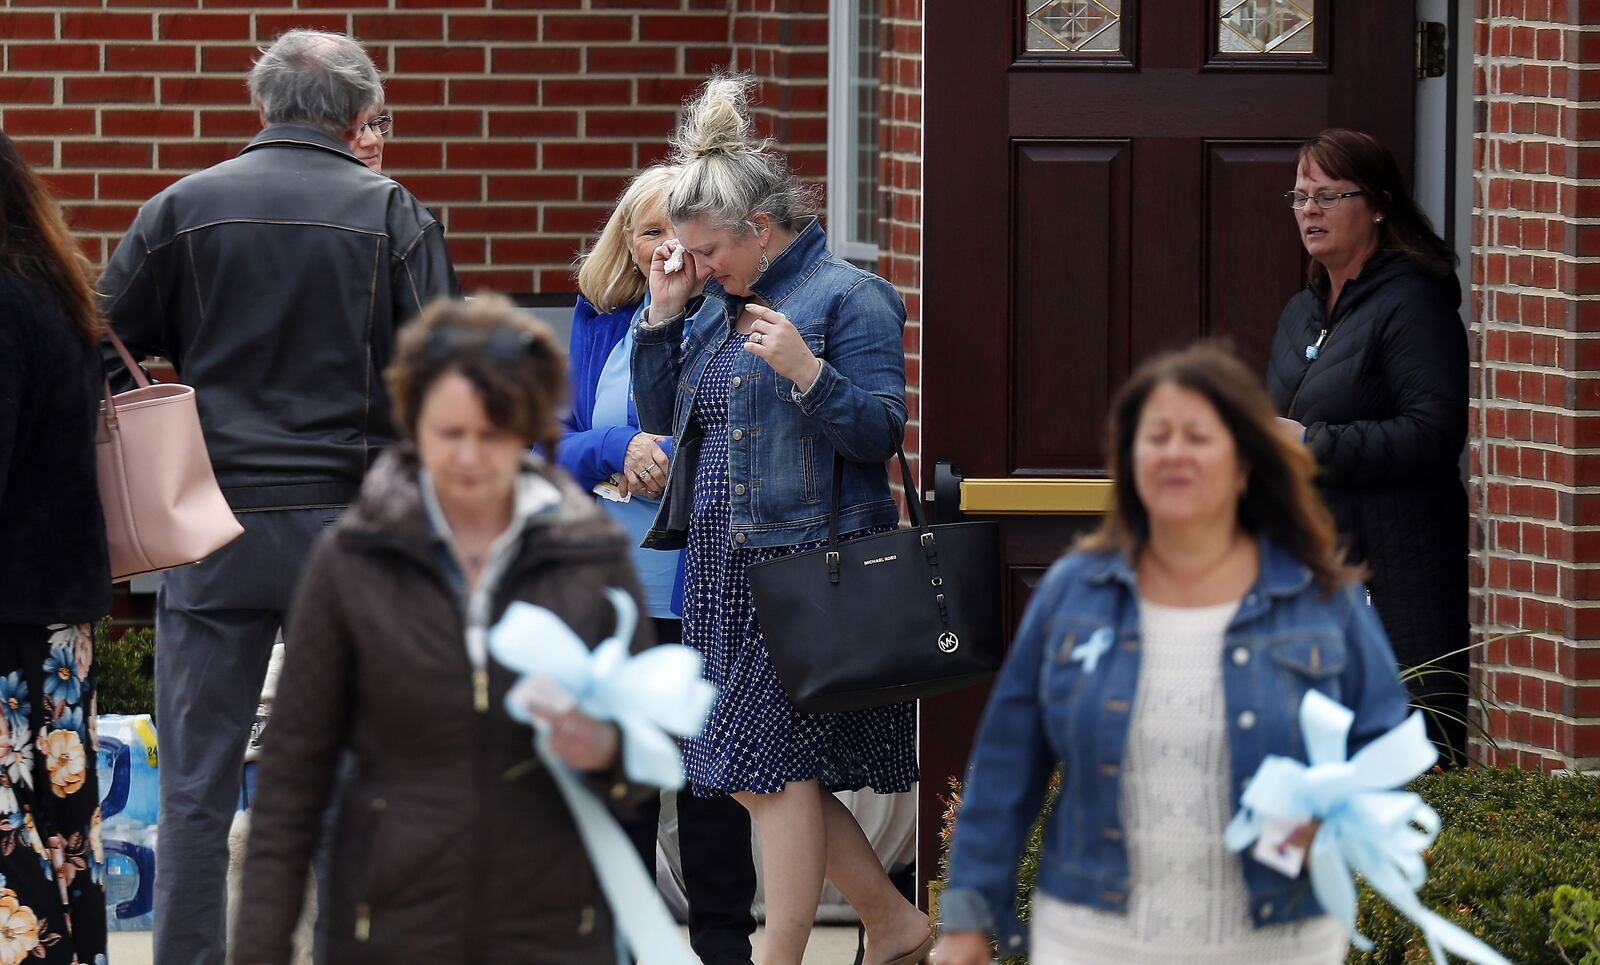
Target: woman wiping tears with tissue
pixel 1158 665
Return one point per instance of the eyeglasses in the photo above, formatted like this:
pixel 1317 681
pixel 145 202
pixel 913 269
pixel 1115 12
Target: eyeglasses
pixel 1324 199
pixel 381 125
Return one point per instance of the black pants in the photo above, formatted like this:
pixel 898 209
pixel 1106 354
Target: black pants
pixel 719 875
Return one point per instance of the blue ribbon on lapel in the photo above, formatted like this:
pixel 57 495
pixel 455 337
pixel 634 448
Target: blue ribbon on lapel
pixel 1091 650
pixel 651 697
pixel 1367 827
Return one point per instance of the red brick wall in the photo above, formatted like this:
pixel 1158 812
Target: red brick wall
pixel 1536 421
pixel 516 120
pixel 900 178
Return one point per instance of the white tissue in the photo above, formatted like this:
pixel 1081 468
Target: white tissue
pixel 675 262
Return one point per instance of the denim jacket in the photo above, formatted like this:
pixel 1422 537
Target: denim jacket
pixel 1287 637
pixel 781 442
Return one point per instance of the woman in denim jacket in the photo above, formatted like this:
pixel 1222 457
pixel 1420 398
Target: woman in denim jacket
pixel 1157 666
pixel 790 357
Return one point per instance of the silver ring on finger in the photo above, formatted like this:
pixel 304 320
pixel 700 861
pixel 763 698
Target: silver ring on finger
pixel 643 474
pixel 757 337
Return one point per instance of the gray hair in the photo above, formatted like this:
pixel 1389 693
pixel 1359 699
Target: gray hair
pixel 728 175
pixel 317 78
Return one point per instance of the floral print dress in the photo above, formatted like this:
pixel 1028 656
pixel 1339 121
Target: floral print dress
pixel 52 902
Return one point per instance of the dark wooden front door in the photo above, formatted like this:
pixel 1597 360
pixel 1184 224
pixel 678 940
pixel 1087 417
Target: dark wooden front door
pixel 1104 181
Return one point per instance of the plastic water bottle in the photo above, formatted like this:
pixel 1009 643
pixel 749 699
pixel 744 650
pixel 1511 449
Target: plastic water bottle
pixel 130 881
pixel 127 763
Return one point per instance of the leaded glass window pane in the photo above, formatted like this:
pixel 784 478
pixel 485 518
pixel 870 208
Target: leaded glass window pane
pixel 1266 27
pixel 1074 27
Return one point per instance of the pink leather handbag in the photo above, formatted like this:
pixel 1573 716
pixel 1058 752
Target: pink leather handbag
pixel 161 500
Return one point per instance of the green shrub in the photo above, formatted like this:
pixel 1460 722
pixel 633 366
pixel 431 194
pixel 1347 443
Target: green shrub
pixel 1576 913
pixel 1509 841
pixel 125 668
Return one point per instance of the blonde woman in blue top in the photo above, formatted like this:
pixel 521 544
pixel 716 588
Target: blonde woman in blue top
pixel 1157 666
pixel 602 445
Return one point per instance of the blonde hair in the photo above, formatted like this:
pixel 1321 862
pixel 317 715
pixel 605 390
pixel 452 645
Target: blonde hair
pixel 605 271
pixel 728 173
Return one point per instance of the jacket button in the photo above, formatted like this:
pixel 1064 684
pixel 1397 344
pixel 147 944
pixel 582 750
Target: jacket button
pixel 1247 719
pixel 1241 656
pixel 1113 897
pixel 1266 910
pixel 739 537
pixel 1111 834
pixel 619 791
pixel 738 434
pixel 1015 941
pixel 1130 645
pixel 736 382
pixel 738 489
pixel 1109 770
pixel 1117 706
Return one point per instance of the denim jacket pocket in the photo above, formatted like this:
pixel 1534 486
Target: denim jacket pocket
pixel 1064 672
pixel 1312 657
pixel 816 342
pixel 1311 661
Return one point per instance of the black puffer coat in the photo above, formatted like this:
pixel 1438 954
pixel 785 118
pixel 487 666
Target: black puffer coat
pixel 1385 409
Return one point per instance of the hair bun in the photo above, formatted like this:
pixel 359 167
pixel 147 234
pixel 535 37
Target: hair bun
pixel 717 120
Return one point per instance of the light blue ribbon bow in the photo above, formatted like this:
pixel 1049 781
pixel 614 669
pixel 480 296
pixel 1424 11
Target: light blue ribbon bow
pixel 1367 826
pixel 650 696
pixel 1091 650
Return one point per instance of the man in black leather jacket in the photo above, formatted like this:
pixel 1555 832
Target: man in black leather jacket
pixel 274 282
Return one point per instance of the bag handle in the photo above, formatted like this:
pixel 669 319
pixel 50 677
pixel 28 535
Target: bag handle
pixel 134 370
pixel 919 521
pixel 139 377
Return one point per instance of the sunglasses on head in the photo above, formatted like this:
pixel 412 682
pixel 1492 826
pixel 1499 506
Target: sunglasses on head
pixel 508 346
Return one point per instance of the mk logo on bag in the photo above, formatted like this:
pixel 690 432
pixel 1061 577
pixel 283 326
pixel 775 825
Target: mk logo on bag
pixel 882 559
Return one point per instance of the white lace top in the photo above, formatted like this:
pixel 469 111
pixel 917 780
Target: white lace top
pixel 1187 900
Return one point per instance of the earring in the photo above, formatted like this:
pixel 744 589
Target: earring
pixel 763 264
pixel 1378 219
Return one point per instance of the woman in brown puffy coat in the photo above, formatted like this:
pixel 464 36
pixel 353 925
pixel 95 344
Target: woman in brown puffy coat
pixel 440 854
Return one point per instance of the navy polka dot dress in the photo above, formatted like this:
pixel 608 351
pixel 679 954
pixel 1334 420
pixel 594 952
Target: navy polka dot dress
pixel 755 740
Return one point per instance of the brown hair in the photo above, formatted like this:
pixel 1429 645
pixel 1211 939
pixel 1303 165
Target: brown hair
pixel 1279 499
pixel 36 245
pixel 514 362
pixel 1360 158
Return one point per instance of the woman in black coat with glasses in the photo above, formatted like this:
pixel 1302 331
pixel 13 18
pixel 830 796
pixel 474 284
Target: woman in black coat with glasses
pixel 1369 368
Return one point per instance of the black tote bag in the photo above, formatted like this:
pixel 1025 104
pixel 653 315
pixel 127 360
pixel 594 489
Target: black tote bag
pixel 882 619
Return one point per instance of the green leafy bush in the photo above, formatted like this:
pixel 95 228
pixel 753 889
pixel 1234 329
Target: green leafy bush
pixel 1510 841
pixel 125 668
pixel 1576 928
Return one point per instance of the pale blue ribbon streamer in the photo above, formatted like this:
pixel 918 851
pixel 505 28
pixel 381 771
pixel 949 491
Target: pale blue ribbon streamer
pixel 1367 827
pixel 651 697
pixel 1091 650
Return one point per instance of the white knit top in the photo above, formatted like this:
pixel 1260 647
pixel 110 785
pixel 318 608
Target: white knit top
pixel 1187 900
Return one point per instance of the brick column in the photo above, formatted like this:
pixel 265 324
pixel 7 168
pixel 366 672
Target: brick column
pixel 1535 447
pixel 900 180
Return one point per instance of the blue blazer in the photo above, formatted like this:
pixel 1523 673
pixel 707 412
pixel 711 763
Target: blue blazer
pixel 589 452
pixel 592 453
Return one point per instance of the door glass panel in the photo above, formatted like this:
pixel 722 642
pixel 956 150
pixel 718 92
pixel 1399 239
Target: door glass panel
pixel 1074 27
pixel 1266 27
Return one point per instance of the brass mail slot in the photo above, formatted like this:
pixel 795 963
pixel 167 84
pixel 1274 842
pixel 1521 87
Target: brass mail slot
pixel 1065 497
